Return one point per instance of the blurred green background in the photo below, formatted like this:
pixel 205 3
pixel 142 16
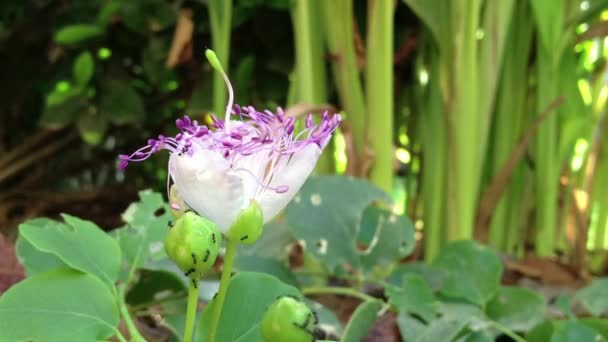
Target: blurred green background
pixel 484 119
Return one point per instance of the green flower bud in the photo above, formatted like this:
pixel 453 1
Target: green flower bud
pixel 248 226
pixel 288 319
pixel 193 244
pixel 213 60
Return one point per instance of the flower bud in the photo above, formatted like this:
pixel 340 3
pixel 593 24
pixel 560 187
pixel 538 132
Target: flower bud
pixel 288 319
pixel 193 244
pixel 248 225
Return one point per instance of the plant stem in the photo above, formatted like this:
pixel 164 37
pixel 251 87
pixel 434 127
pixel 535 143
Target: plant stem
pixel 507 332
pixel 224 281
pixel 191 309
pixel 119 336
pixel 345 291
pixel 379 91
pixel 124 312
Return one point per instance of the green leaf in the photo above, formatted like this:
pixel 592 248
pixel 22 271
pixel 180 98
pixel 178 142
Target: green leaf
pixel 472 271
pixel 60 305
pixel 266 265
pixel 414 297
pixel 34 260
pixel 392 238
pixel 409 327
pixel 73 34
pixel 549 20
pixel 148 224
pixel 433 276
pixel 92 128
pixel 84 66
pixel 79 243
pixel 361 321
pixel 120 103
pixel 62 109
pixel 594 296
pixel 573 331
pixel 249 295
pixel 541 332
pixel 326 215
pixel 327 318
pixel 517 308
pixel 435 14
pixel 155 285
pixel 443 329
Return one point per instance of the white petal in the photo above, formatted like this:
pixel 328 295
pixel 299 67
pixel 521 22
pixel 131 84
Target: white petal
pixel 208 185
pixel 298 168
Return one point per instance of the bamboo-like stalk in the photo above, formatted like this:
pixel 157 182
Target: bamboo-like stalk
pixel 220 15
pixel 433 130
pixel 339 27
pixel 463 121
pixel 310 64
pixel 508 126
pixel 379 90
pixel 547 167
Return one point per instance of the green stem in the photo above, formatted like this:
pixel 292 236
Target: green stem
pixel 124 312
pixel 119 336
pixel 379 91
pixel 191 309
pixel 508 332
pixel 345 291
pixel 224 281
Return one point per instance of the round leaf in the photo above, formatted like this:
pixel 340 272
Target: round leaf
pixel 594 297
pixel 120 103
pixel 60 305
pixel 472 272
pixel 517 308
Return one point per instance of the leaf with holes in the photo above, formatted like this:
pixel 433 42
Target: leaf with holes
pixel 59 305
pixel 78 243
pixel 392 238
pixel 148 224
pixel 471 272
pixel 326 215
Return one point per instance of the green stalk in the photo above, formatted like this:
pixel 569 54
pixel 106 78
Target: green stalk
pixel 220 13
pixel 547 166
pixel 191 309
pixel 310 65
pixel 224 281
pixel 338 15
pixel 508 125
pixel 433 130
pixel 126 316
pixel 379 90
pixel 463 121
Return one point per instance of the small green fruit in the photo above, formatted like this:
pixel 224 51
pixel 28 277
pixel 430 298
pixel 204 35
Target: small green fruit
pixel 193 244
pixel 248 226
pixel 288 319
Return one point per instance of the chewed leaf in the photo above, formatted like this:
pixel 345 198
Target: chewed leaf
pixel 78 243
pixel 326 216
pixel 392 238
